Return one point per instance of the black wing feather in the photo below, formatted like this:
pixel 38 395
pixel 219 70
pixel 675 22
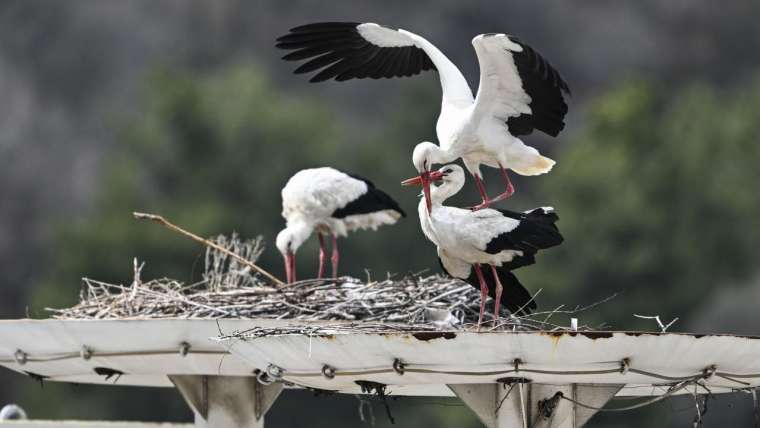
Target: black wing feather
pixel 373 201
pixel 546 88
pixel 342 53
pixel 536 231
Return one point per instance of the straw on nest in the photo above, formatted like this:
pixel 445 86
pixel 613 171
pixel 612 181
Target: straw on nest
pixel 229 289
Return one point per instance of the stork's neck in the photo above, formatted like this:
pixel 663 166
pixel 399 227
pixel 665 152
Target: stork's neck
pixel 439 194
pixel 440 156
pixel 453 84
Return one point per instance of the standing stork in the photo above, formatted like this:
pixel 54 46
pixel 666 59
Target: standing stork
pixel 332 203
pixel 519 91
pixel 497 238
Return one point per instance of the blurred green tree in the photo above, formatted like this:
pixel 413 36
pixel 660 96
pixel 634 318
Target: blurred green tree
pixel 657 199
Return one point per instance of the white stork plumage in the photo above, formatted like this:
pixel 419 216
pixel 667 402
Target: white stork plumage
pixel 332 203
pixel 466 239
pixel 519 91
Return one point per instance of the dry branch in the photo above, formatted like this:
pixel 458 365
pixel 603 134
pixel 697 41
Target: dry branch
pixel 161 220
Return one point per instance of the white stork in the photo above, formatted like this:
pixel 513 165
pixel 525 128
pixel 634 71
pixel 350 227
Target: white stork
pixel 519 91
pixel 332 203
pixel 466 239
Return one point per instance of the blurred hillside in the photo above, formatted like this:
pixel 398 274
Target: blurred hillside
pixel 183 108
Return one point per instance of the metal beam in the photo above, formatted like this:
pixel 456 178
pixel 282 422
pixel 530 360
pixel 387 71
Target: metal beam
pixel 480 398
pixel 531 405
pixel 227 401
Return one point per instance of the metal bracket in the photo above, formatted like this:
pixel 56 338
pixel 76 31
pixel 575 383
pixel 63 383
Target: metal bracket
pixel 227 401
pixel 531 405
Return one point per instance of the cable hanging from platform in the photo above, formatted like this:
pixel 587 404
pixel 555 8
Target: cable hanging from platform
pixel 398 366
pixel 273 373
pixel 401 368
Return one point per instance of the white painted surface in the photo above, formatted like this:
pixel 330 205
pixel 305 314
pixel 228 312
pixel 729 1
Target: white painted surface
pixel 470 357
pixel 148 351
pixel 88 424
pixel 227 401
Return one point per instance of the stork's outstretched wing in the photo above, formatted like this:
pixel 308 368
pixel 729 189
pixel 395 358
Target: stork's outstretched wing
pixel 348 50
pixel 518 86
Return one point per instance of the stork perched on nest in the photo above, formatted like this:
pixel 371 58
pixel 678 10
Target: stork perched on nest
pixel 502 239
pixel 332 203
pixel 519 91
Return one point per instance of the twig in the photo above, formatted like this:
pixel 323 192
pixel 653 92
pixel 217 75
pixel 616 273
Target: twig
pixel 663 327
pixel 161 220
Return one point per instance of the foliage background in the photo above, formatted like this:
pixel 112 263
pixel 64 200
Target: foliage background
pixel 183 108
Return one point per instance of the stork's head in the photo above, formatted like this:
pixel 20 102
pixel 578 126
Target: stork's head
pixel 288 241
pixel 424 156
pixel 450 177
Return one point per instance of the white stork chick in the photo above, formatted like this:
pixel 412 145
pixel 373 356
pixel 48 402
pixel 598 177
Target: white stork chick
pixel 466 239
pixel 332 203
pixel 519 91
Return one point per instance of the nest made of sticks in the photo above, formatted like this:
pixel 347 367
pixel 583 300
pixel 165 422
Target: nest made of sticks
pixel 230 289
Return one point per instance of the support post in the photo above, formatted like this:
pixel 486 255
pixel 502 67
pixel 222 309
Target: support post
pixel 227 401
pixel 529 405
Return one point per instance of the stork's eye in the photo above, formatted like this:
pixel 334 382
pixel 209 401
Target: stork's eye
pixel 448 171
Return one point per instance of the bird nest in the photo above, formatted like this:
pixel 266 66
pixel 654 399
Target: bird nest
pixel 230 289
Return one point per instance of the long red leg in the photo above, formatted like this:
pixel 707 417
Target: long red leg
pixel 335 257
pixel 322 257
pixel 483 292
pixel 499 289
pixel 508 192
pixel 483 194
pixel 509 187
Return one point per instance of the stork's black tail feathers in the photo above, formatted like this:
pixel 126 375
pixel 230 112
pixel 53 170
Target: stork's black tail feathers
pixel 536 231
pixel 372 201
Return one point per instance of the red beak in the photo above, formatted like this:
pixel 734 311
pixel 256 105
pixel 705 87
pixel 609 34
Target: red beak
pixel 290 267
pixel 424 180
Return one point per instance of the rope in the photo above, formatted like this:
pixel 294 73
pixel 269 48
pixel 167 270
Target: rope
pixel 93 354
pixel 416 369
pixel 667 394
pixel 621 368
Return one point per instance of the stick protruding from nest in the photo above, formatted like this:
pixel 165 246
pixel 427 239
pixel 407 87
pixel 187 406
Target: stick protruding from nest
pixel 162 221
